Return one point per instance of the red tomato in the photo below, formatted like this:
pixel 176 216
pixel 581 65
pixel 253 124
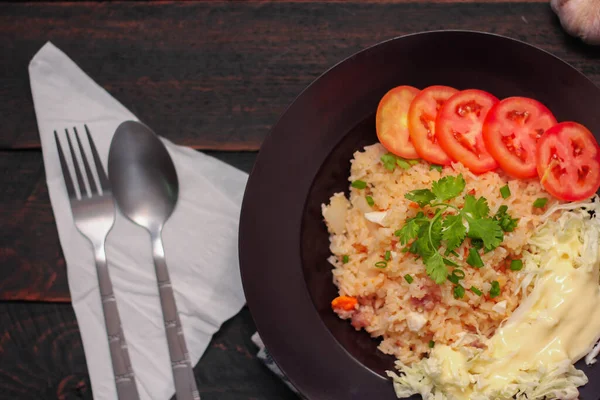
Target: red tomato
pixel 511 131
pixel 568 161
pixel 421 123
pixel 458 129
pixel 391 121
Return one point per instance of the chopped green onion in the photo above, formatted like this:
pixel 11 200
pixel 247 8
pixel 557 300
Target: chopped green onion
pixel 474 259
pixel 505 192
pixel 436 167
pixel 405 249
pixel 540 203
pixel 402 163
pixel 495 290
pixel 370 201
pixel 459 292
pixel 516 265
pixel 359 184
pixel 450 262
pixel 502 210
pixel 388 255
pixel 454 253
pixel 459 273
pixel 477 243
pixel 389 161
pixel 476 291
pixel 453 279
pixel 431 344
pixel 345 259
pixel 381 264
pixel 408 278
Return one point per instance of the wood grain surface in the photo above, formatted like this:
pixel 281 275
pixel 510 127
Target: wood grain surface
pixel 42 357
pixel 216 75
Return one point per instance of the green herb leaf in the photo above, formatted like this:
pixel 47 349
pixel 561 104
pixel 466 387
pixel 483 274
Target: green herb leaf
pixel 431 344
pixel 408 278
pixel 381 264
pixel 505 192
pixel 435 167
pixel 476 291
pixel 420 196
pixel 413 162
pixel 448 187
pixel 410 229
pixel 435 268
pixel 495 290
pixel 402 163
pixel 459 292
pixel 453 231
pixel 388 255
pixel 427 244
pixel 389 161
pixel 345 259
pixel 474 259
pixel 358 184
pixel 516 265
pixel 370 201
pixel 540 203
pixel 488 230
pixel 435 231
pixel 476 208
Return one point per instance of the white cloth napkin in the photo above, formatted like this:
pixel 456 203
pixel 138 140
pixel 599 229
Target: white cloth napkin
pixel 200 238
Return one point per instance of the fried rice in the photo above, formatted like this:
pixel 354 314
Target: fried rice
pixel 411 317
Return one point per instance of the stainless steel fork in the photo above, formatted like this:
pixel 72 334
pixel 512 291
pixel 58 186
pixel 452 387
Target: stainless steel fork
pixel 94 215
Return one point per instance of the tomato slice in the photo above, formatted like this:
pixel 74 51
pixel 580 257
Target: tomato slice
pixel 391 121
pixel 458 129
pixel 511 131
pixel 421 123
pixel 568 161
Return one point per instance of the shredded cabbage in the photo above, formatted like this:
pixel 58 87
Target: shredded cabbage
pixel 433 380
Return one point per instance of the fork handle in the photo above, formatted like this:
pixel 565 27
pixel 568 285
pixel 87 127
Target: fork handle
pixel 119 354
pixel 183 374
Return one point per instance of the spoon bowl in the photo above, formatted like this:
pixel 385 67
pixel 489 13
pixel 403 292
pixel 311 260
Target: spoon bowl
pixel 143 175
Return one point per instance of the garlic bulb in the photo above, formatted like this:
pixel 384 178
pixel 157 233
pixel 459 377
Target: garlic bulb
pixel 579 18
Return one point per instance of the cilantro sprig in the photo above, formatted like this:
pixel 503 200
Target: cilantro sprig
pixel 451 225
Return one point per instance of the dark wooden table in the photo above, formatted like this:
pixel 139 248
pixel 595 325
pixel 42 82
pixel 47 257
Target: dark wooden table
pixel 206 74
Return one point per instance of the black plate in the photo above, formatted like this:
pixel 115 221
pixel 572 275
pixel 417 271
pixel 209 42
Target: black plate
pixel 306 157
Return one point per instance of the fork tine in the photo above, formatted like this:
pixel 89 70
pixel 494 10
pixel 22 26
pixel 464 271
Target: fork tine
pixel 76 166
pixel 101 174
pixel 86 165
pixel 65 169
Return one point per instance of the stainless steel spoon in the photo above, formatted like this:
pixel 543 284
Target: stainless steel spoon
pixel 145 186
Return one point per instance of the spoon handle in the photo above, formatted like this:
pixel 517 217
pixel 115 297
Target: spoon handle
pixel 183 374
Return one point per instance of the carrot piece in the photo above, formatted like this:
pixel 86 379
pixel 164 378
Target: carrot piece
pixel 361 248
pixel 413 205
pixel 346 303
